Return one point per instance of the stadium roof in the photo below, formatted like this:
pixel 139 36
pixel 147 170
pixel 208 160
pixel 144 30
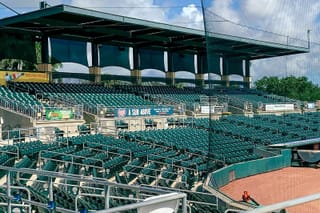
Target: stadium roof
pixel 74 23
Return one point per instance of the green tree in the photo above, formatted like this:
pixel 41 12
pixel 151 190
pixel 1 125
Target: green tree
pixel 17 64
pixel 293 87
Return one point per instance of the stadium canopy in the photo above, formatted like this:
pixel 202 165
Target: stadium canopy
pixel 67 22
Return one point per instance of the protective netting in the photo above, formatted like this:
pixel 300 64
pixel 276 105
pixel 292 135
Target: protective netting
pixel 291 24
pixel 236 30
pixel 266 20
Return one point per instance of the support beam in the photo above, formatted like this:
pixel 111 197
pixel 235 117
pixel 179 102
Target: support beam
pixel 170 78
pixel 136 77
pixel 247 81
pixel 96 71
pixel 247 68
pixel 200 80
pixel 46 68
pixel 95 54
pixel 225 80
pixel 44 49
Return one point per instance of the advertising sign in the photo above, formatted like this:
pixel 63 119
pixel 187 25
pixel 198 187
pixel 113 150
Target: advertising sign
pixel 8 76
pixel 58 114
pixel 279 107
pixel 205 109
pixel 153 111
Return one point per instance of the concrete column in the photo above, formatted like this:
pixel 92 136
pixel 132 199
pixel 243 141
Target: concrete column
pixel 247 81
pixel 170 76
pixel 45 65
pixel 46 68
pixel 199 80
pixel 225 80
pixel 136 77
pixel 44 49
pixel 316 146
pixel 96 71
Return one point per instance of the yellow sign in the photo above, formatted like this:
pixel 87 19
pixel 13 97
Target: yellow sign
pixel 17 76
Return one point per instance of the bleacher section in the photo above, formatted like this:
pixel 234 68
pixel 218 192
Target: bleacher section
pixel 265 129
pixel 176 156
pixel 97 98
pixel 193 140
pixel 89 95
pixel 245 99
pixel 172 159
pixel 118 160
pixel 21 102
pixel 188 96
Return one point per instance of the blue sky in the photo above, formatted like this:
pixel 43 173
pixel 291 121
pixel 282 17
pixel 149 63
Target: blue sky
pixel 173 7
pixel 285 17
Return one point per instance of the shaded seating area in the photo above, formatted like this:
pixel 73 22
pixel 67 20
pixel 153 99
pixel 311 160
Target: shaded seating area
pixel 192 97
pixel 88 95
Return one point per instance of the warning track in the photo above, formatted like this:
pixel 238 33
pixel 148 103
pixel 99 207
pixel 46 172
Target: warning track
pixel 278 186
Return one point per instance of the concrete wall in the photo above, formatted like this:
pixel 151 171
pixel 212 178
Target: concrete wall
pixel 13 120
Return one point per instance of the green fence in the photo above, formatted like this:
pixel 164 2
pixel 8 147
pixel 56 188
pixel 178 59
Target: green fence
pixel 225 175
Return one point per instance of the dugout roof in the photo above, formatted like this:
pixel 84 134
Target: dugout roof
pixel 74 23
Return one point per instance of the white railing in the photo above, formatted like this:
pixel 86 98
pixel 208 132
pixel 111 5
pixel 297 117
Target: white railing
pixel 163 198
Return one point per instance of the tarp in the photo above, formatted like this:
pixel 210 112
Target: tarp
pixel 69 51
pixel 151 59
pixel 232 66
pixel 114 56
pixel 17 46
pixel 181 62
pixel 310 156
pixel 211 64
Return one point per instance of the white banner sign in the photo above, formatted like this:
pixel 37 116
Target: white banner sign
pixel 279 107
pixel 205 109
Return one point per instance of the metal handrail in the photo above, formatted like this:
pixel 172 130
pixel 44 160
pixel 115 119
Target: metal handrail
pixel 91 180
pixel 74 177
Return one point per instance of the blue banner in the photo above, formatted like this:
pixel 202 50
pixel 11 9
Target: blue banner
pixel 131 112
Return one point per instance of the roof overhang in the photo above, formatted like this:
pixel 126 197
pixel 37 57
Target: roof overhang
pixel 68 22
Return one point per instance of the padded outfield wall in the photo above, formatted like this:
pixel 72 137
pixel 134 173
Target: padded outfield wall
pixel 233 172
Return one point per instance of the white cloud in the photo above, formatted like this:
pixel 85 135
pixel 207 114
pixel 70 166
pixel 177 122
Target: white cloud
pixel 260 9
pixel 190 16
pixel 143 9
pixel 287 19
